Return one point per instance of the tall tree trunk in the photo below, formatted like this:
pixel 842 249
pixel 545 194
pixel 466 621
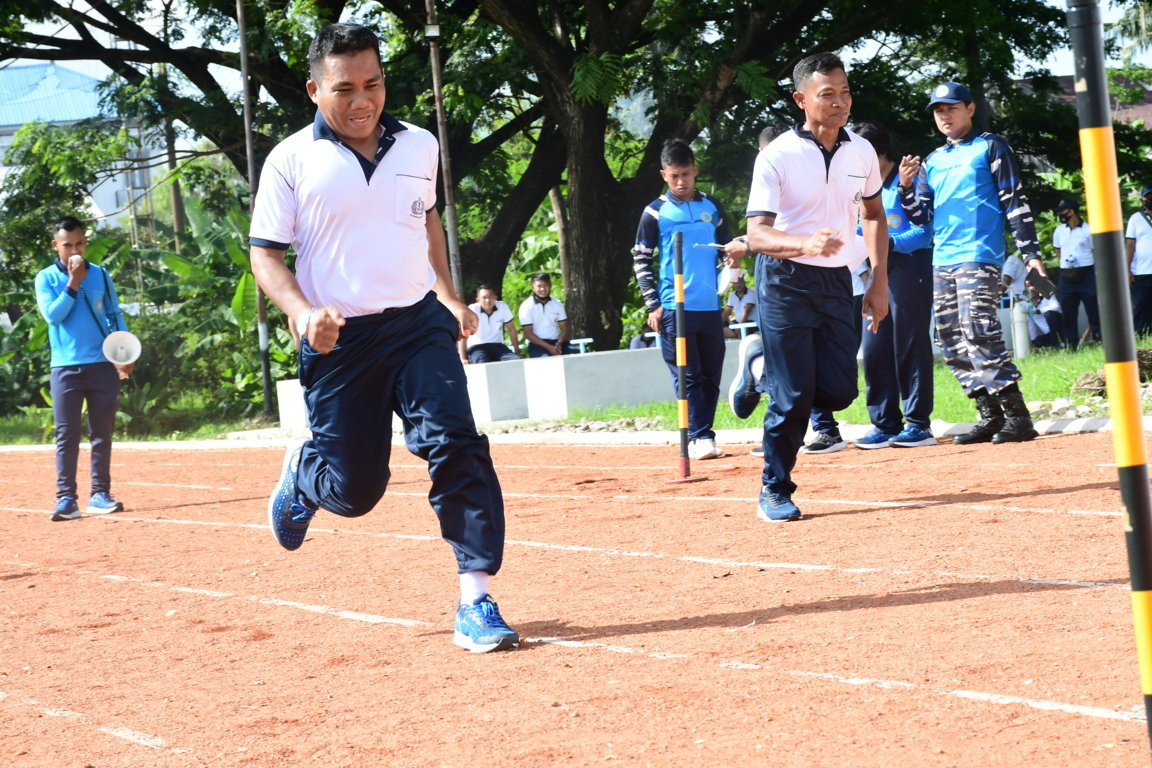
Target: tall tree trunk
pixel 560 213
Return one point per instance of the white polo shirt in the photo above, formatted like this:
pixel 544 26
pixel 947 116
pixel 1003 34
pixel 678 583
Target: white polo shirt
pixel 361 243
pixel 808 189
pixel 738 303
pixel 1075 245
pixel 1141 231
pixel 491 328
pixel 544 318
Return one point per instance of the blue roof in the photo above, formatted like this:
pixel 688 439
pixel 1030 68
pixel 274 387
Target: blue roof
pixel 46 93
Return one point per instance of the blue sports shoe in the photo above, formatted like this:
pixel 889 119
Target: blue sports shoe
pixel 776 507
pixel 913 437
pixel 288 513
pixel 480 628
pixel 66 509
pixel 103 503
pixel 743 397
pixel 874 439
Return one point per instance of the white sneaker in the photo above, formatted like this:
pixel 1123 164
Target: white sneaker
pixel 704 448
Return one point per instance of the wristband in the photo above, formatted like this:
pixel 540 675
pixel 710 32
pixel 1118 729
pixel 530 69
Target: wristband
pixel 303 321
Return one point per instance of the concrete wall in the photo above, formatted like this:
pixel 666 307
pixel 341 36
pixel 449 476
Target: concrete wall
pixel 548 388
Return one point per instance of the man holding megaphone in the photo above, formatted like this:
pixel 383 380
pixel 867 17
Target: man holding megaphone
pixel 79 302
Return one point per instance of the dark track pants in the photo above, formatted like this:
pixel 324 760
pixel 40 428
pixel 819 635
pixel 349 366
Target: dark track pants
pixel 704 348
pixel 898 357
pixel 1071 295
pixel 403 361
pixel 70 386
pixel 810 343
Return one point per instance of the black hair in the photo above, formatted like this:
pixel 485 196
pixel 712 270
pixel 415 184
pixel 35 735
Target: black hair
pixel 547 278
pixel 68 224
pixel 487 287
pixel 877 135
pixel 810 65
pixel 769 133
pixel 676 152
pixel 339 40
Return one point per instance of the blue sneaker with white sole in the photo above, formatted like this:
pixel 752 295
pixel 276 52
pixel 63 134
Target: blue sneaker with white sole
pixel 776 507
pixel 913 437
pixel 102 503
pixel 288 513
pixel 743 397
pixel 481 629
pixel 874 439
pixel 66 509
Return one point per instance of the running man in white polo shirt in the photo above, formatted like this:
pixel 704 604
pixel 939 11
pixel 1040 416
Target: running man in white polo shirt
pixel 809 187
pixel 354 195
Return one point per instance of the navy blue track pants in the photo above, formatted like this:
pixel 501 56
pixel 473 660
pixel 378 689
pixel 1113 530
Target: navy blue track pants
pixel 402 361
pixel 898 357
pixel 70 386
pixel 704 349
pixel 810 342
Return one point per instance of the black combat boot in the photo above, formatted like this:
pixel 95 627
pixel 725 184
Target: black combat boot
pixel 991 419
pixel 1018 422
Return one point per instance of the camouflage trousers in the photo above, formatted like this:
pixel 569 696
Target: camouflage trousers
pixel 966 298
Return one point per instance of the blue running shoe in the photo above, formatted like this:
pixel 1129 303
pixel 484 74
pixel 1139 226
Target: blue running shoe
pixel 743 397
pixel 776 507
pixel 480 628
pixel 66 509
pixel 874 439
pixel 913 437
pixel 288 513
pixel 103 503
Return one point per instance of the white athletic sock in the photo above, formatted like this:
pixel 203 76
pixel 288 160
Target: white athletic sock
pixel 473 585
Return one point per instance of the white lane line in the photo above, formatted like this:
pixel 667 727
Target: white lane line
pixel 988 698
pixel 324 609
pixel 837 502
pixel 119 732
pixel 722 562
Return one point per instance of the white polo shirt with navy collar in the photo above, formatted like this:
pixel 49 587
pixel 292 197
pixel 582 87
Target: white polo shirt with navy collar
pixel 807 188
pixel 1075 244
pixel 545 318
pixel 491 328
pixel 358 227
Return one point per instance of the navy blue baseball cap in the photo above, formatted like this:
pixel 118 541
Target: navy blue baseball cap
pixel 1146 191
pixel 950 93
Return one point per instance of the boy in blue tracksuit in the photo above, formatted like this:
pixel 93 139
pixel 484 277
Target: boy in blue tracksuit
pixel 685 209
pixel 79 302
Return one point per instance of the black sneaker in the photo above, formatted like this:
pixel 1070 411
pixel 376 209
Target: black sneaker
pixel 825 442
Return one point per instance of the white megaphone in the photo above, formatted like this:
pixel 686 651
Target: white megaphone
pixel 121 347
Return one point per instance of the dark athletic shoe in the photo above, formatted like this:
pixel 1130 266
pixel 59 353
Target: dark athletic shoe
pixel 776 507
pixel 288 513
pixel 825 443
pixel 66 509
pixel 743 396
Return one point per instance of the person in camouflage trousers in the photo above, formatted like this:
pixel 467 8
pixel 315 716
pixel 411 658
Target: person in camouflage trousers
pixel 969 189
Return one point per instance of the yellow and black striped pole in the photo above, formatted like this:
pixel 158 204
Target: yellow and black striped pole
pixel 1106 222
pixel 681 361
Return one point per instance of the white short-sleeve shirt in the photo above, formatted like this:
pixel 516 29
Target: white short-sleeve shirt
pixel 808 190
pixel 361 244
pixel 1014 268
pixel 1141 231
pixel 491 328
pixel 1075 245
pixel 738 303
pixel 544 318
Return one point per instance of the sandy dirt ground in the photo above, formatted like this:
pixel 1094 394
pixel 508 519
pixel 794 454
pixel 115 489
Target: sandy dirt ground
pixel 943 606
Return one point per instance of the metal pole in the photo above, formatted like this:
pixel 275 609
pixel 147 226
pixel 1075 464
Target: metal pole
pixel 432 34
pixel 261 309
pixel 1106 223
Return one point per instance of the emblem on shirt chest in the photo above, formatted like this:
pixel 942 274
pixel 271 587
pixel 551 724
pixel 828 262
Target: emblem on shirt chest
pixel 417 208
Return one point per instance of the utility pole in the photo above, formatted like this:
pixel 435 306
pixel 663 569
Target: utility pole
pixel 432 35
pixel 261 309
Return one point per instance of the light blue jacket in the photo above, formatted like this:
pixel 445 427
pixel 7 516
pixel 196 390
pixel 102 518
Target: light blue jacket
pixel 78 321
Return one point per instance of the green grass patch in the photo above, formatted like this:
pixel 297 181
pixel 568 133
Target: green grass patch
pixel 1048 374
